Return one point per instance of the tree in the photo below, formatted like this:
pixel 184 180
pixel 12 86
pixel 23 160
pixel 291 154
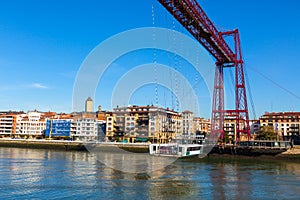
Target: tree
pixel 266 133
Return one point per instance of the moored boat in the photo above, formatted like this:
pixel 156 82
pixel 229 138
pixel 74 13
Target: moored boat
pixel 175 150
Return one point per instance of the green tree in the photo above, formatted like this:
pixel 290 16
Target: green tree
pixel 266 133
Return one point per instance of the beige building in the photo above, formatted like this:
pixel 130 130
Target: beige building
pixel 229 127
pixel 143 123
pixel 201 125
pixel 110 124
pixel 286 124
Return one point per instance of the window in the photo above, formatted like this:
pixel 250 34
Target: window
pixel 193 148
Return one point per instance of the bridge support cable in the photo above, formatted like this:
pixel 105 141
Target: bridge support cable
pixel 250 93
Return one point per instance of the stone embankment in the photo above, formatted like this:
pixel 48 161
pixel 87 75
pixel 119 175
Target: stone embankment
pixel 293 153
pixel 42 144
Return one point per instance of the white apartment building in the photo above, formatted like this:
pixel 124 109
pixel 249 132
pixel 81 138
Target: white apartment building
pixel 85 129
pixel 7 127
pixel 188 117
pixel 30 125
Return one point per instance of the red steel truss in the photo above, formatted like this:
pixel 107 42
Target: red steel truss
pixel 191 16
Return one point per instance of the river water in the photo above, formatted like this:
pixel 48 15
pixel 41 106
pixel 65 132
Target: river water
pixel 50 174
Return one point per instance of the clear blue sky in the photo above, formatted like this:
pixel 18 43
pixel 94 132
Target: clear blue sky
pixel 43 43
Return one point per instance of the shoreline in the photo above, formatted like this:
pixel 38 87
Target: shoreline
pixel 290 154
pixel 283 157
pixel 43 144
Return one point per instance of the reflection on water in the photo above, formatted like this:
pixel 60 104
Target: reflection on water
pixel 47 174
pixel 130 162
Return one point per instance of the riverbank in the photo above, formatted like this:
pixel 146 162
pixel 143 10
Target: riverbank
pixel 43 144
pixel 292 153
pixel 73 145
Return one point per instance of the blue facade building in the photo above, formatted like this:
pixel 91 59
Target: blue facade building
pixel 58 128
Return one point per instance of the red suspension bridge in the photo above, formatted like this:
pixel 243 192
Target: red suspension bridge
pixel 193 18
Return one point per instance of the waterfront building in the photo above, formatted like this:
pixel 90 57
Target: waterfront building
pixel 101 115
pixel 143 123
pixel 168 125
pixel 8 121
pixel 86 127
pixel 286 124
pixel 254 126
pixel 201 125
pixel 229 127
pixel 30 125
pixel 187 123
pixel 110 124
pixel 58 128
pixel 6 125
pixel 89 105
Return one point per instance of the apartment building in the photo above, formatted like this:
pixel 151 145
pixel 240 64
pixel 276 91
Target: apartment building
pixel 286 124
pixel 58 128
pixel 143 123
pixel 86 127
pixel 8 121
pixel 188 123
pixel 30 125
pixel 201 125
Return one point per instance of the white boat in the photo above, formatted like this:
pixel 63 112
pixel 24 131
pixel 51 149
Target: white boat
pixel 175 150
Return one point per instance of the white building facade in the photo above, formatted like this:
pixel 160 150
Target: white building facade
pixel 7 127
pixel 85 129
pixel 30 125
pixel 187 123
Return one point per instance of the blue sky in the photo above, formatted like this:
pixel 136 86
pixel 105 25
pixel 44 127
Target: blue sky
pixel 43 43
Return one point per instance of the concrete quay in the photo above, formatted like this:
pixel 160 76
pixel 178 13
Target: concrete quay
pixel 73 145
pixel 42 144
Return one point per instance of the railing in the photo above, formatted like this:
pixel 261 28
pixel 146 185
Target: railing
pixel 266 144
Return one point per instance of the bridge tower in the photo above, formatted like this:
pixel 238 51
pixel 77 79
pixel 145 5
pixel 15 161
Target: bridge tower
pixel 191 16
